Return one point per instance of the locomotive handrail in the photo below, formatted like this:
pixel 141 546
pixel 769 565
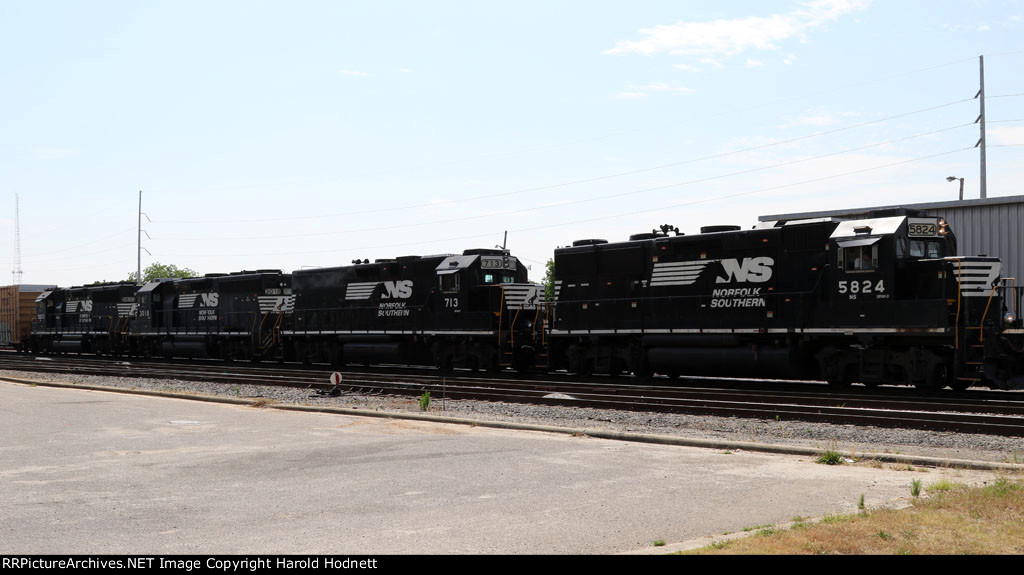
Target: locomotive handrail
pixel 959 291
pixel 985 314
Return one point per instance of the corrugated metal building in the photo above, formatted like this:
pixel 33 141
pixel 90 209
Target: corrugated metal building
pixel 991 226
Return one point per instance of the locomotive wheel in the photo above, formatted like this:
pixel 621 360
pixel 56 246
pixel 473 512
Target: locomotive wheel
pixel 957 384
pixel 445 361
pixel 845 380
pixel 940 376
pixel 960 385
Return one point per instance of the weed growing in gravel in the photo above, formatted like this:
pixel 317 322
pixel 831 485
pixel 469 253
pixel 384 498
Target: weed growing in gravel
pixel 425 401
pixel 860 504
pixel 835 518
pixel 659 543
pixel 915 487
pixel 941 485
pixel 830 457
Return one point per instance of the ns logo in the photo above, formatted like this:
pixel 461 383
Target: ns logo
pixel 400 289
pixel 753 270
pixel 209 299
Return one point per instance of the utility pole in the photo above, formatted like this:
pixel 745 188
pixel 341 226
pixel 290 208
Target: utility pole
pixel 981 120
pixel 138 252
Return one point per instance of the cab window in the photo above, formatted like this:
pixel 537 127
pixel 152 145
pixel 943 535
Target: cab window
pixel 498 278
pixel 925 249
pixel 859 258
pixel 450 283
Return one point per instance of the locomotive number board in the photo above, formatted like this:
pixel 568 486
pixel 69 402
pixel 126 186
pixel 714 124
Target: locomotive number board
pixel 922 228
pixel 497 263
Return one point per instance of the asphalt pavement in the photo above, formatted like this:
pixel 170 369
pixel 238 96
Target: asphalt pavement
pixel 93 472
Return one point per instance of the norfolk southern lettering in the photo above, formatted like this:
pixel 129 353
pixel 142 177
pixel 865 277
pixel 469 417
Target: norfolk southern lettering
pixel 738 297
pixel 394 290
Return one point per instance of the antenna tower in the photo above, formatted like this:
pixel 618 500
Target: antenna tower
pixel 17 241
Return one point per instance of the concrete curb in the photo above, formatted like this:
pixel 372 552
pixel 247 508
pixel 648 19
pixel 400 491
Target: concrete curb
pixel 920 460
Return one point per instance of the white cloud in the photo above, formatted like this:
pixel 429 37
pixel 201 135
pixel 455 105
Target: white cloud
pixel 720 38
pixel 752 63
pixel 354 73
pixel 686 67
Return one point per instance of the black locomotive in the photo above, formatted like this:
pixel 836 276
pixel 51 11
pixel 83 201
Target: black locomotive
pixel 880 299
pixel 89 319
pixel 228 316
pixel 873 300
pixel 475 310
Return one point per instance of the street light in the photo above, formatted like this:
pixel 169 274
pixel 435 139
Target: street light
pixel 953 179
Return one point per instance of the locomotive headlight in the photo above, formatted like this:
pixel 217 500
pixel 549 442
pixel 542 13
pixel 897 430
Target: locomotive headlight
pixel 1009 317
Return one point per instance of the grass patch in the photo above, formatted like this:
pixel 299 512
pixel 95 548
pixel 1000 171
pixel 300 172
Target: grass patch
pixel 425 401
pixel 915 487
pixel 659 543
pixel 956 520
pixel 940 486
pixel 830 457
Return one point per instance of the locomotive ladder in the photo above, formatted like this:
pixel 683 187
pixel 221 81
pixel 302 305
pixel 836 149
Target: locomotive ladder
pixel 971 347
pixel 269 339
pixel 507 341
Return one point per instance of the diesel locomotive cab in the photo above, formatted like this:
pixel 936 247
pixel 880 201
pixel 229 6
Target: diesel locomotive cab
pixel 890 258
pixel 913 310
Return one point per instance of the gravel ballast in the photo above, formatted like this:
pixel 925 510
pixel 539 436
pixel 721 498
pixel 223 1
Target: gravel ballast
pixel 851 440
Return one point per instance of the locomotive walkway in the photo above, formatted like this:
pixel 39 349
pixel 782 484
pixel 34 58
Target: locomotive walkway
pixel 92 472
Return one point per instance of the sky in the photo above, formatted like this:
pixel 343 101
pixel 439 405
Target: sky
pixel 287 135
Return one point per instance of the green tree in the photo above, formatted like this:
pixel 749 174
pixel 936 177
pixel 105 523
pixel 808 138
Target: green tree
pixel 159 270
pixel 549 281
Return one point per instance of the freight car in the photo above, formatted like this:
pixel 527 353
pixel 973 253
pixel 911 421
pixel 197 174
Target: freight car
pixel 882 299
pixel 17 310
pixel 476 310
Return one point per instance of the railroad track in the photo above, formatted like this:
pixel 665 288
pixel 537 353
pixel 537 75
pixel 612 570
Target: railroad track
pixel 994 413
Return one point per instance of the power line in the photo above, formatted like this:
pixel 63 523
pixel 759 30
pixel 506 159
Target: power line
pixel 576 202
pixel 582 181
pixel 587 220
pixel 741 194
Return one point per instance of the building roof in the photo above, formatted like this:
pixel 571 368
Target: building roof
pixel 925 206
